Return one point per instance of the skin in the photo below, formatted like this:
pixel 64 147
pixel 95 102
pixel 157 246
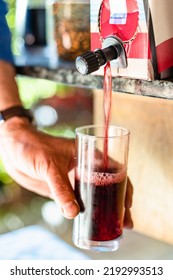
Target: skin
pixel 39 162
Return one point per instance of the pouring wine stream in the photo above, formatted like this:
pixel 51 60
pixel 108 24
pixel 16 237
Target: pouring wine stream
pixel 107 101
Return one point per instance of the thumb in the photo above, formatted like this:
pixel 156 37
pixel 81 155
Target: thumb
pixel 63 193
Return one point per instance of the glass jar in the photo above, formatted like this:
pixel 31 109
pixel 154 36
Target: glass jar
pixel 72 27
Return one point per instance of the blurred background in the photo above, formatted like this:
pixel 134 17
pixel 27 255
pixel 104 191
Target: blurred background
pixel 58 109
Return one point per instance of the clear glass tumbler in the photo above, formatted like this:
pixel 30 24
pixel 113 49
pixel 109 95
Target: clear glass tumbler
pixel 100 186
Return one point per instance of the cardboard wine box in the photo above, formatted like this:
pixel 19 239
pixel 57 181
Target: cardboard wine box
pixel 144 26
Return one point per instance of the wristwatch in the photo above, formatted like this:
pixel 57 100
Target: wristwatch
pixel 15 111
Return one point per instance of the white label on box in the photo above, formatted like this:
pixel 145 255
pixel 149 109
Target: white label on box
pixel 118 11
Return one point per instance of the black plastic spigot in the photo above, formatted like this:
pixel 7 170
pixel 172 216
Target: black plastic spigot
pixel 91 61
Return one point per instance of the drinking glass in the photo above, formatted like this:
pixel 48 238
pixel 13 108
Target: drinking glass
pixel 100 186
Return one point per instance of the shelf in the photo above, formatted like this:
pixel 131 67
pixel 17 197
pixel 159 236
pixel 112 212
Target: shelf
pixel 67 74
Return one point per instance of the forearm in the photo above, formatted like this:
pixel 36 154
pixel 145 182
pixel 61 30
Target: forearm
pixel 9 95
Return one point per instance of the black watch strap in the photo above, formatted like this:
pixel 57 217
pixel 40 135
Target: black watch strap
pixel 15 111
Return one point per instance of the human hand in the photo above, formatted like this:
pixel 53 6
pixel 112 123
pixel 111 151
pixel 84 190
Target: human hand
pixel 45 165
pixel 39 162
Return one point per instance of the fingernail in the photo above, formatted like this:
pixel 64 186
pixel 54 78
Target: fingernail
pixel 70 209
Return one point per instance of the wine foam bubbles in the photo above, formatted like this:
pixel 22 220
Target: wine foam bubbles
pixel 103 178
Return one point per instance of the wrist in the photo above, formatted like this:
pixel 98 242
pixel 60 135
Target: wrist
pixel 15 111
